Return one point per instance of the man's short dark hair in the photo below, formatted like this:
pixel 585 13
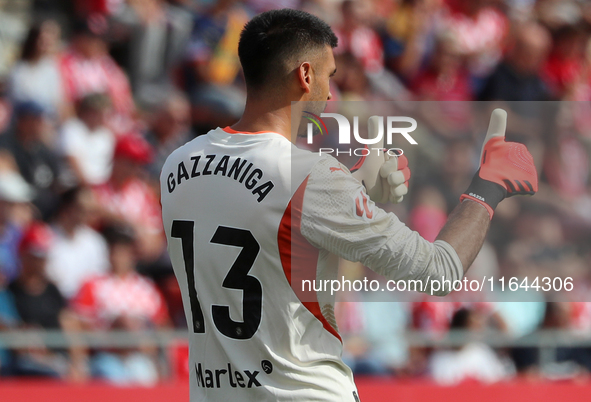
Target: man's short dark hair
pixel 272 38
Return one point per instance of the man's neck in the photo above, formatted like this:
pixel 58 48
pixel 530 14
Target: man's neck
pixel 260 116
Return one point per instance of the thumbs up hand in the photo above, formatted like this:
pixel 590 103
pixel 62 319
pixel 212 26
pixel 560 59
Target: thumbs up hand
pixel 506 168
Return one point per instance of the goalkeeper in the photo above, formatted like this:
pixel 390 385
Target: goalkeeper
pixel 247 216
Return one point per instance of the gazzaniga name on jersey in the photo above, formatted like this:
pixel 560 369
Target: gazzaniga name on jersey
pixel 222 377
pixel 224 166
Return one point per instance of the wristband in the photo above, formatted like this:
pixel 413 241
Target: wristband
pixel 485 192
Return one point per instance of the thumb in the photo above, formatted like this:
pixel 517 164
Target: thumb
pixel 496 126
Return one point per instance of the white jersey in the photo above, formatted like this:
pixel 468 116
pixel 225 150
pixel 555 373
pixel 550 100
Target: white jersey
pixel 246 215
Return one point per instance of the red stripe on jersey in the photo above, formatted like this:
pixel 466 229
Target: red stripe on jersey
pixel 359 163
pixel 298 257
pixel 229 130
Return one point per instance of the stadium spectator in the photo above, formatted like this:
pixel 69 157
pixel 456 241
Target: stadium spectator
pixel 517 77
pixel 480 31
pixel 38 300
pixel 37 75
pixel 561 315
pixel 445 79
pixel 77 252
pixel 86 141
pixel 40 305
pixel 564 64
pixel 31 361
pixel 374 334
pixel 124 300
pixel 127 198
pixel 37 163
pixel 87 68
pixel 152 37
pixel 570 362
pixel 213 48
pixel 169 129
pixel 359 38
pixel 474 360
pixel 348 312
pixel 212 68
pixel 351 82
pixel 13 192
pixel 447 82
pixel 408 36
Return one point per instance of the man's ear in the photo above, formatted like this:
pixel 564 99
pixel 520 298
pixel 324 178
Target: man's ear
pixel 305 76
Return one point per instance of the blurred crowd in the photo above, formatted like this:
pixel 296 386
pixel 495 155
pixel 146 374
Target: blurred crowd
pixel 94 95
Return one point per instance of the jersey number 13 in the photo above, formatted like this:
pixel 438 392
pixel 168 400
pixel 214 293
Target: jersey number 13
pixel 237 278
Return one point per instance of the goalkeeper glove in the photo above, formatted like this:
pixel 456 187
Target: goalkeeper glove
pixel 506 168
pixel 385 177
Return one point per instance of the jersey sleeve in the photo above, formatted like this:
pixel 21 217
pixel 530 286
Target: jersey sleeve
pixel 338 216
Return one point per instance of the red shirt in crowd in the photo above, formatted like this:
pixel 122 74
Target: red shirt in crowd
pixel 135 201
pixel 83 76
pixel 365 45
pixel 103 299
